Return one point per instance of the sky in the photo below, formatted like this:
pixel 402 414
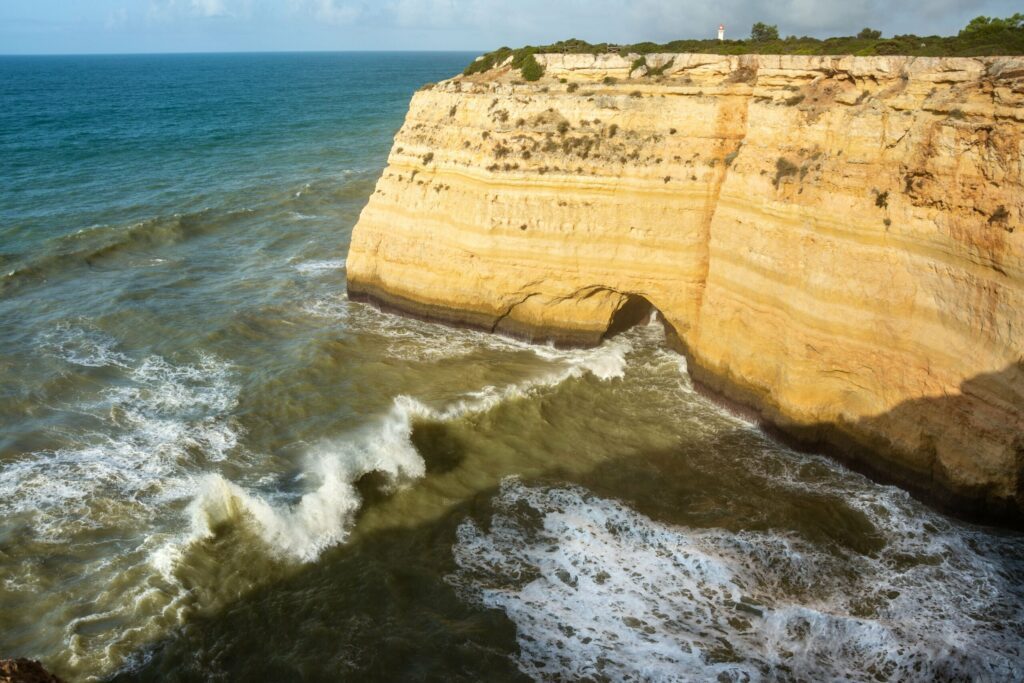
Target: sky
pixel 127 26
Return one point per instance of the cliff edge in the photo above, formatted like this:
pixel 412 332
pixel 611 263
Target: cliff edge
pixel 835 242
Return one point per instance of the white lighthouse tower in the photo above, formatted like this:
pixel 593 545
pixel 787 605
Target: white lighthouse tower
pixel 721 31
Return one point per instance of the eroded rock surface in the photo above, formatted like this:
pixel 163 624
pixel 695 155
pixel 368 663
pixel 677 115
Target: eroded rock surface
pixel 25 671
pixel 835 241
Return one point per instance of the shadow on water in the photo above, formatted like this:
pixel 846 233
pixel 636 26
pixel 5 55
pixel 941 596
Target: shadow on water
pixel 375 609
pixel 921 444
pixel 937 442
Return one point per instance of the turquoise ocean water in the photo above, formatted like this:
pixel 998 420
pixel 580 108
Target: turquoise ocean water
pixel 215 467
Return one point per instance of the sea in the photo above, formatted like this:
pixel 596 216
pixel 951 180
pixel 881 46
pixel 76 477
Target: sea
pixel 214 466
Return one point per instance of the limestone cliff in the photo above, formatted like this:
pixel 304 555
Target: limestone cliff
pixel 835 242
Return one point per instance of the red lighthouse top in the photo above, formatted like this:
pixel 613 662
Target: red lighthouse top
pixel 721 27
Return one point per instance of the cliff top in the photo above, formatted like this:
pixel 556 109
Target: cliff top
pixel 982 37
pixel 703 68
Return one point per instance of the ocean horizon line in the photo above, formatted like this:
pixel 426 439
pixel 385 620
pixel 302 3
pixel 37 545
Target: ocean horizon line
pixel 231 52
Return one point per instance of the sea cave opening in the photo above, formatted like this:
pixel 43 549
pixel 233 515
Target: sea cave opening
pixel 638 310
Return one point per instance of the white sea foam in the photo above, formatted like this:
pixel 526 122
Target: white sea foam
pixel 82 346
pixel 421 341
pixel 318 267
pixel 324 515
pixel 154 424
pixel 597 590
pixel 332 308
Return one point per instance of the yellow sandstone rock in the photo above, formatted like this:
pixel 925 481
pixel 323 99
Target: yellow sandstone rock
pixel 836 242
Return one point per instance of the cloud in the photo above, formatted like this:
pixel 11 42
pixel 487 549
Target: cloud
pixel 338 12
pixel 116 19
pixel 171 10
pixel 210 8
pixel 536 20
pixel 35 25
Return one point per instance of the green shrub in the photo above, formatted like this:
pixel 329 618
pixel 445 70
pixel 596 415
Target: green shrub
pixel 1000 215
pixel 522 59
pixel 531 68
pixel 784 168
pixel 660 70
pixel 488 61
pixel 761 32
pixel 888 47
pixel 608 80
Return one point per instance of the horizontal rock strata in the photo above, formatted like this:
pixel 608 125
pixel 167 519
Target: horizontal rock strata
pixel 836 242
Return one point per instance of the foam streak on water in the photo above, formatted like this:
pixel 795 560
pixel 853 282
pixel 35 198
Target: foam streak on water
pixel 152 426
pixel 597 590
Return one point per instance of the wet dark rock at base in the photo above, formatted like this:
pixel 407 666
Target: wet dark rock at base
pixel 23 670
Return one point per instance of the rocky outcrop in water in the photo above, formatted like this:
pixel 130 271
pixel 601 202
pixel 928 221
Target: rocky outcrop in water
pixel 25 671
pixel 835 242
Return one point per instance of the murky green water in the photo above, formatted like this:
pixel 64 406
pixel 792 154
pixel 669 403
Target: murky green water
pixel 214 466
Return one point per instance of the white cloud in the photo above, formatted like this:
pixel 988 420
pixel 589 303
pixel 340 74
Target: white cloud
pixel 338 11
pixel 116 19
pixel 170 10
pixel 210 8
pixel 459 24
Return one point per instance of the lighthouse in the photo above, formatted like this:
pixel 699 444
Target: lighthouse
pixel 721 31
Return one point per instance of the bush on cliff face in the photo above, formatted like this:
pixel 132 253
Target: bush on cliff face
pixel 522 59
pixel 783 169
pixel 531 69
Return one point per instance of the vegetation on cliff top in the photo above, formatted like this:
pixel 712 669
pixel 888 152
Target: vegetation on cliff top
pixel 983 36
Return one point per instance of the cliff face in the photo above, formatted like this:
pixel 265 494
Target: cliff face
pixel 835 242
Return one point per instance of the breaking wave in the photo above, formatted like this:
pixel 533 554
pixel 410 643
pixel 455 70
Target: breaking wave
pixel 323 516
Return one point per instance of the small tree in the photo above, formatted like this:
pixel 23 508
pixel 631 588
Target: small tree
pixel 531 69
pixel 761 32
pixel 988 24
pixel 869 33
